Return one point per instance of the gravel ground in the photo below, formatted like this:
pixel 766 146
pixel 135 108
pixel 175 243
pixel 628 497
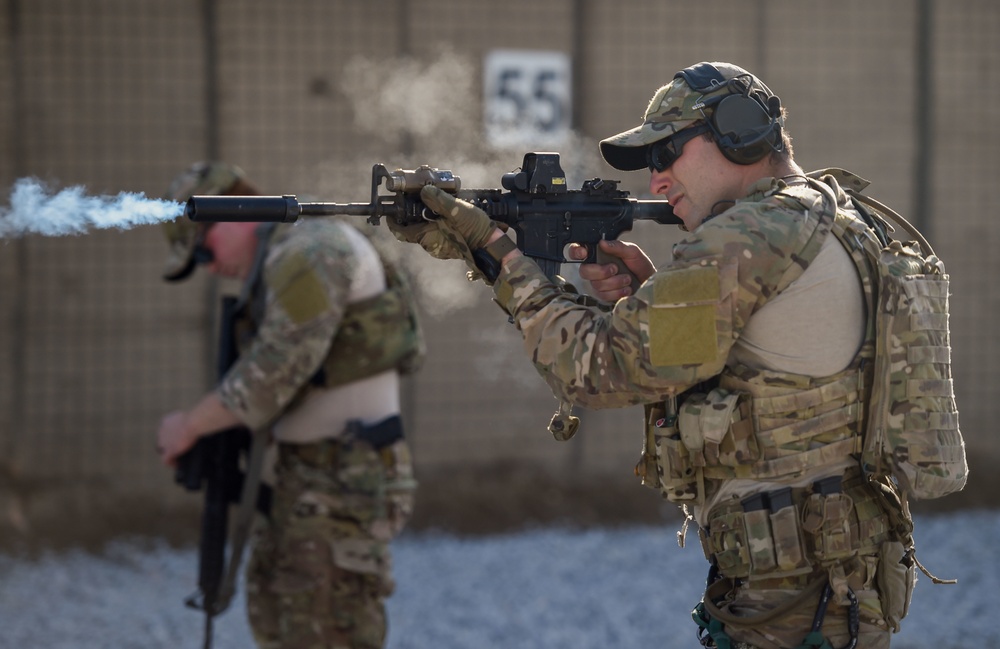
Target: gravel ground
pixel 547 588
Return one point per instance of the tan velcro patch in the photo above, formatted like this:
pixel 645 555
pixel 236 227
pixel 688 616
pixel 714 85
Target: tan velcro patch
pixel 682 326
pixel 299 292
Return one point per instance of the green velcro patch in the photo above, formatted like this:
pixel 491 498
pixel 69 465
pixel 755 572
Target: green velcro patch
pixel 299 292
pixel 682 327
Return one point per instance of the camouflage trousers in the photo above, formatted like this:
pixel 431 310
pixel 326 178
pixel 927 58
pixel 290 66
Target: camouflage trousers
pixel 321 568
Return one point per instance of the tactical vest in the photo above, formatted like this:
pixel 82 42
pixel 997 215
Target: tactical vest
pixel 759 424
pixel 892 411
pixel 375 335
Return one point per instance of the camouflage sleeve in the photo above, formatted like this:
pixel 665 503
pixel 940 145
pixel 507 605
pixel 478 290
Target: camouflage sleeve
pixel 678 328
pixel 308 279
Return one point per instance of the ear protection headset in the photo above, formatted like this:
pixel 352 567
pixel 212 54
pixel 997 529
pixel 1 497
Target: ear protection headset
pixel 745 117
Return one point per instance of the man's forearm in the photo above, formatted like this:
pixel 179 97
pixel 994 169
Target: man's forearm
pixel 181 430
pixel 210 415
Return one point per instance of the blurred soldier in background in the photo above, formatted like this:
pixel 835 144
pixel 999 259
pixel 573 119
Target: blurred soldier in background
pixel 327 328
pixel 752 353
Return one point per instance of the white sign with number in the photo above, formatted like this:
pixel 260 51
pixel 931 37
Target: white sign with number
pixel 527 97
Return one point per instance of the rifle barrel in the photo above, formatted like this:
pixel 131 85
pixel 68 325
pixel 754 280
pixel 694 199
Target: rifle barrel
pixel 330 209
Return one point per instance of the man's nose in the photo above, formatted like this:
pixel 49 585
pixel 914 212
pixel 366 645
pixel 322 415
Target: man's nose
pixel 660 181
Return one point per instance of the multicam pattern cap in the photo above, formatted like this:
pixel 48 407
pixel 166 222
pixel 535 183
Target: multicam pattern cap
pixel 201 178
pixel 674 107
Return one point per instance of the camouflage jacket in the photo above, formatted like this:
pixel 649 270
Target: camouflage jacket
pixel 304 287
pixel 680 326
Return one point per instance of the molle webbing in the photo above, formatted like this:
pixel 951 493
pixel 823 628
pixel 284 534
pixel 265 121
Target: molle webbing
pixel 796 428
pixel 375 335
pixel 756 425
pixel 790 533
pixel 913 429
pixel 798 421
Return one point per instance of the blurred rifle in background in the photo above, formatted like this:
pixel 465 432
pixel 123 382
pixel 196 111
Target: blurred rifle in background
pixel 217 463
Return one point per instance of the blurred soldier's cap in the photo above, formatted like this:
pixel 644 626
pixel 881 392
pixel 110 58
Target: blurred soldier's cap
pixel 183 235
pixel 673 108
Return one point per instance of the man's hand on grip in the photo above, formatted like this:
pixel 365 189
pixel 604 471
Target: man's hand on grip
pixel 621 266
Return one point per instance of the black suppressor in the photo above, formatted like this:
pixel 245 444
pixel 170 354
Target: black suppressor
pixel 253 209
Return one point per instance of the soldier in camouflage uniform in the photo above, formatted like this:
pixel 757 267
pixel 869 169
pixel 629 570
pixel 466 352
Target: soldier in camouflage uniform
pixel 328 328
pixel 750 350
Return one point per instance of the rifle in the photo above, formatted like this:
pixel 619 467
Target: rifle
pixel 544 215
pixel 215 462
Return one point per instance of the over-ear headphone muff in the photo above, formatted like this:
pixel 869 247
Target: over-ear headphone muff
pixel 745 116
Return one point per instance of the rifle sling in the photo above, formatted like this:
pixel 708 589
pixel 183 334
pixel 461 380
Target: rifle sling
pixel 243 520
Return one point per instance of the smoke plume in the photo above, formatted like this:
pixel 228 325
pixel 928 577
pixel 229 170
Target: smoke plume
pixel 34 209
pixel 429 111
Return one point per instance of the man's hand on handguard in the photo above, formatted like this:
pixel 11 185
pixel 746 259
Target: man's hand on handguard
pixel 611 281
pixel 469 221
pixel 429 236
pixel 461 228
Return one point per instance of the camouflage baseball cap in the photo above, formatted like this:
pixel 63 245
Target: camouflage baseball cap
pixel 673 108
pixel 201 178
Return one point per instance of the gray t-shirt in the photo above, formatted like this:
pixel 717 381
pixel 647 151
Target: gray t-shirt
pixel 814 327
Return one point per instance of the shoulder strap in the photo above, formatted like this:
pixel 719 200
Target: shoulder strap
pixel 853 185
pixel 264 233
pixel 243 518
pixel 825 216
pixel 895 216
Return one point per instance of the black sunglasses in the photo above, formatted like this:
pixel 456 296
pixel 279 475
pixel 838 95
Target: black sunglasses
pixel 660 155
